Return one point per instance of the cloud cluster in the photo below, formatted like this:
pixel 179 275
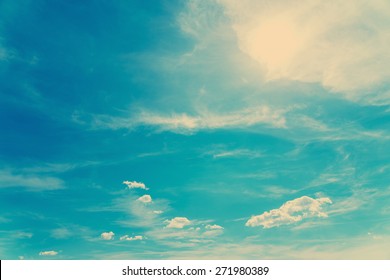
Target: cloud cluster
pixel 291 212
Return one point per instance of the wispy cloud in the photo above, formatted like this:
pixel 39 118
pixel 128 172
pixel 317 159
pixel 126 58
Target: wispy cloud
pixel 291 212
pixel 70 230
pixel 234 153
pixel 356 247
pixel 182 234
pixel 203 120
pixel 31 182
pixel 23 235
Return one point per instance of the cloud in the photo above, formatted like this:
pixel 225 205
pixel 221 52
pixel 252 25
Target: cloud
pixel 107 235
pixel 291 212
pixel 210 120
pixel 48 253
pixel 70 230
pixel 145 198
pixel 158 212
pixel 135 185
pixel 178 222
pixel 341 44
pixel 213 227
pixel 186 237
pixel 213 231
pixel 128 238
pixel 235 153
pixel 31 182
pixel 203 120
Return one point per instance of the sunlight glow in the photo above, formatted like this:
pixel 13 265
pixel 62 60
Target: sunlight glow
pixel 275 43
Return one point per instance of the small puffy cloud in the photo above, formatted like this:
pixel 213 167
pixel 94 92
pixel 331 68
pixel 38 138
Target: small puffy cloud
pixel 178 222
pixel 291 212
pixel 135 185
pixel 214 227
pixel 158 212
pixel 107 235
pixel 48 253
pixel 213 231
pixel 129 238
pixel 145 198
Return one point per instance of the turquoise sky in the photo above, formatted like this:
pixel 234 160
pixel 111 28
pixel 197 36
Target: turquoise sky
pixel 214 129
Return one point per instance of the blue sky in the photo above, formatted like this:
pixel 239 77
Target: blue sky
pixel 195 129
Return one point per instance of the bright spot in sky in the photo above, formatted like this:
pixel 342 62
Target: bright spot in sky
pixel 274 43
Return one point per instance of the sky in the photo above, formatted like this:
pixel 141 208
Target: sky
pixel 213 129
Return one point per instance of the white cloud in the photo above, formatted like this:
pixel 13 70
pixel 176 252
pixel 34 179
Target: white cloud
pixel 145 198
pixel 291 212
pixel 107 235
pixel 213 227
pixel 213 231
pixel 129 238
pixel 48 253
pixel 32 182
pixel 202 120
pixel 158 212
pixel 178 222
pixel 235 153
pixel 341 44
pixel 135 185
pixel 209 120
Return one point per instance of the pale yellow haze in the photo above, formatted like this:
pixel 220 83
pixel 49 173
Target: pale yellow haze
pixel 274 43
pixel 341 44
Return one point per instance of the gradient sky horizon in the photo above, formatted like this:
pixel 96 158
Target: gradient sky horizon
pixel 213 129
